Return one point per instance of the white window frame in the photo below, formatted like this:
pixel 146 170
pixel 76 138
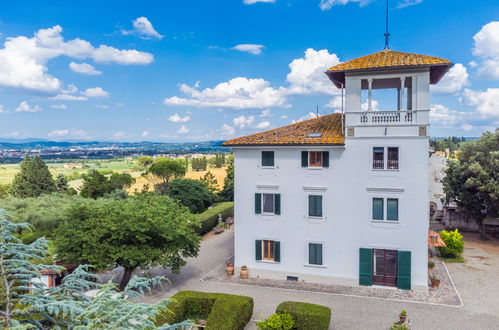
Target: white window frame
pixel 315 191
pixel 261 159
pixel 269 239
pixel 385 157
pixel 385 198
pixel 306 264
pixel 263 203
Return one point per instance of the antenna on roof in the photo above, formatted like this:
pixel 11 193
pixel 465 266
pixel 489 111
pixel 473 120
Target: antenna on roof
pixel 387 34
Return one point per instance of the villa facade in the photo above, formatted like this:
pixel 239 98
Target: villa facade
pixel 343 198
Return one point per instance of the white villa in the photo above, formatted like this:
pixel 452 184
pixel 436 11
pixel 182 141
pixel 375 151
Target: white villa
pixel 343 198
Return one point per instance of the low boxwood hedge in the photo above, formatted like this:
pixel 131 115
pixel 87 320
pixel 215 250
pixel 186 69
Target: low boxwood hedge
pixel 209 218
pixel 222 311
pixel 306 316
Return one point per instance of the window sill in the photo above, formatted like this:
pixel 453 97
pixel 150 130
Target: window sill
pixel 268 167
pixel 385 224
pixel 385 169
pixel 268 261
pixel 315 168
pixel 315 266
pixel 315 219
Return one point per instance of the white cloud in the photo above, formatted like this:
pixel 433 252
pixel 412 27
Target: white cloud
pixel 23 60
pixel 14 134
pixel 443 116
pixel 486 46
pixel 310 115
pixel 486 102
pixel 467 127
pixel 59 106
pixel 95 92
pixel 334 103
pixel 176 118
pixel 249 48
pixel 266 113
pixel 408 3
pixel 183 130
pixel 227 130
pixel 84 68
pixel 80 133
pixel 284 117
pixel 242 121
pixel 102 106
pixel 67 97
pixel 24 106
pixel 237 93
pixel 328 4
pixel 143 28
pixel 58 133
pixel 365 106
pixel 250 2
pixel 453 81
pixel 262 125
pixel 146 133
pixel 119 135
pixel 307 73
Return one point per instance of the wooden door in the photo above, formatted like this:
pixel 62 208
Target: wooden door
pixel 385 267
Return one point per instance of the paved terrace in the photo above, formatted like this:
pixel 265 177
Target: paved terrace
pixel 476 282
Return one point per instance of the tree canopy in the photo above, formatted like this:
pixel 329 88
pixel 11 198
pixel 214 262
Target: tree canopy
pixel 141 231
pixel 227 192
pixel 163 170
pixel 33 179
pixel 472 180
pixel 96 184
pixel 194 194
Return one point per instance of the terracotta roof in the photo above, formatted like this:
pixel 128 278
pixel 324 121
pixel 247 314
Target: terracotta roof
pixel 390 59
pixel 324 130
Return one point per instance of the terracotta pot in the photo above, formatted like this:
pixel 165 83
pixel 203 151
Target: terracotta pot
pixel 229 269
pixel 435 283
pixel 244 273
pixel 402 318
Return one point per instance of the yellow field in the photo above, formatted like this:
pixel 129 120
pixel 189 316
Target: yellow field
pixel 219 173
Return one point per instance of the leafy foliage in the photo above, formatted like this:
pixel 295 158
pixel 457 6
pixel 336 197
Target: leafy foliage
pixel 193 194
pixel 140 231
pixel 211 181
pixel 33 179
pixel 4 190
pixel 306 316
pixel 227 193
pixel 96 184
pixel 209 218
pixel 454 244
pixel 452 143
pixel 144 162
pixel 276 321
pixel 473 179
pixel 61 183
pixel 162 171
pixel 222 311
pixel 199 164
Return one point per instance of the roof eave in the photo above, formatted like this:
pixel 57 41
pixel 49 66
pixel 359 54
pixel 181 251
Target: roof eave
pixel 283 145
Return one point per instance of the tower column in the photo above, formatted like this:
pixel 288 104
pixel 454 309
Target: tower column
pixel 369 95
pixel 402 87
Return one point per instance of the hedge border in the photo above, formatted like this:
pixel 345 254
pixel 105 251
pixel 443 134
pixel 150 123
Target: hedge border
pixel 209 218
pixel 305 315
pixel 223 311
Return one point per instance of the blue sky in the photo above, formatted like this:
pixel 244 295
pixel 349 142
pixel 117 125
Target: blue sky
pixel 200 70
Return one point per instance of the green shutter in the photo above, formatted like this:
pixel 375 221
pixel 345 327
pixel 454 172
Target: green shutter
pixel 267 158
pixel 318 254
pixel 392 209
pixel 378 209
pixel 315 206
pixel 258 249
pixel 325 159
pixel 258 203
pixel 365 266
pixel 314 254
pixel 277 203
pixel 404 270
pixel 311 205
pixel 318 206
pixel 304 159
pixel 277 251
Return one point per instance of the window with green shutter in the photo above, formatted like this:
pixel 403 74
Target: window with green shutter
pixel 404 270
pixel 258 203
pixel 277 204
pixel 315 254
pixel 268 158
pixel 304 159
pixel 365 266
pixel 315 206
pixel 325 159
pixel 258 249
pixel 392 209
pixel 378 209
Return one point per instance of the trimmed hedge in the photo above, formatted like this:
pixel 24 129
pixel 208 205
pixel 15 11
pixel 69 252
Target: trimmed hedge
pixel 222 311
pixel 209 218
pixel 306 316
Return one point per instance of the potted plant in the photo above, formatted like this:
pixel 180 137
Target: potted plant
pixel 403 316
pixel 229 269
pixel 435 282
pixel 244 272
pixel 431 264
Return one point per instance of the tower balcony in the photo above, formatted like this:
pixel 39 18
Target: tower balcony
pixel 388 118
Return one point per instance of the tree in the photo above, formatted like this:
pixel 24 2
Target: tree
pixel 144 162
pixel 472 180
pixel 143 230
pixel 163 170
pixel 61 183
pixel 33 179
pixel 96 184
pixel 227 192
pixel 66 306
pixel 191 193
pixel 4 190
pixel 211 181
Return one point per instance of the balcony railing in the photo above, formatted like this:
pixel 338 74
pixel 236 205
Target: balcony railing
pixel 380 165
pixel 406 117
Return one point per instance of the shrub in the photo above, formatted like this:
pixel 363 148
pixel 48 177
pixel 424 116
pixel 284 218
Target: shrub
pixel 209 218
pixel 277 322
pixel 306 316
pixel 194 194
pixel 222 311
pixel 454 244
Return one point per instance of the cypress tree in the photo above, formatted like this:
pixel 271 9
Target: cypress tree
pixel 33 179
